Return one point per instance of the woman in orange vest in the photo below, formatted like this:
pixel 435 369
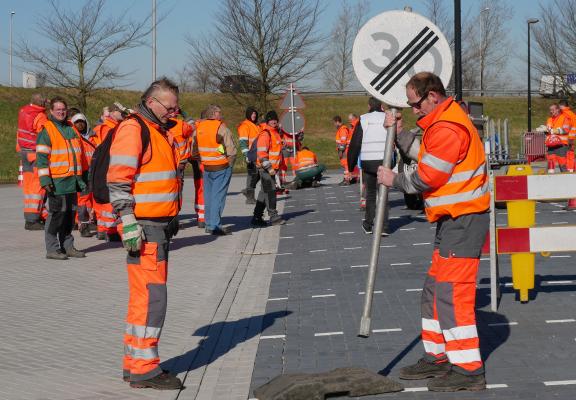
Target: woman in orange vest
pixel 452 176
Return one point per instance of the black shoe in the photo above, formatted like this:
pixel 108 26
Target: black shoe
pixel 367 228
pixel 316 184
pixel 218 231
pixel 57 255
pixel 277 220
pixel 258 222
pixel 454 381
pixel 164 381
pixel 385 231
pixel 113 237
pixel 101 236
pixel 85 231
pixel 202 225
pixel 33 226
pixel 424 369
pixel 73 252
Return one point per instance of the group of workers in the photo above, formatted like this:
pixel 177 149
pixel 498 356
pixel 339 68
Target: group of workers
pixel 560 131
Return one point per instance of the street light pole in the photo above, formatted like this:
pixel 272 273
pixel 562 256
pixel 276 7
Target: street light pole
pixel 10 58
pixel 530 22
pixel 482 50
pixel 153 40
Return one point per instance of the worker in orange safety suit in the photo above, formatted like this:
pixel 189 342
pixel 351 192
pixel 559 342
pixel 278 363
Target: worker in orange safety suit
pixel 181 133
pixel 452 176
pixel 248 131
pixel 289 142
pixel 31 119
pixel 566 110
pixel 144 191
pixel 559 126
pixel 342 140
pixel 308 170
pixel 108 223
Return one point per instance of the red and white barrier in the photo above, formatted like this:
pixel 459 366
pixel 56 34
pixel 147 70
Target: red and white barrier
pixel 540 239
pixel 535 187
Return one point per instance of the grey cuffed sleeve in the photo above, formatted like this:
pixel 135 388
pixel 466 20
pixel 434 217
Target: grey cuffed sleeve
pixel 408 143
pixel 121 198
pixel 410 182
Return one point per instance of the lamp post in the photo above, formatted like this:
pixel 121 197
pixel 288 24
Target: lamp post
pixel 529 22
pixel 153 40
pixel 10 57
pixel 482 50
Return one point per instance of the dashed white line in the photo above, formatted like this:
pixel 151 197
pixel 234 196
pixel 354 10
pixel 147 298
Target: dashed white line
pixel 317 296
pixel 282 273
pixel 318 251
pixel 359 266
pixel 352 248
pixel 336 210
pixel 375 292
pixel 560 383
pixel 558 282
pixel 351 195
pixel 407 229
pixel 341 220
pixel 559 223
pixel 413 290
pixel 316 234
pixel 405 263
pixel 503 324
pixel 386 330
pixel 394 217
pixel 289 206
pixel 496 386
pixel 502 213
pixel 331 197
pixel 320 269
pixel 331 204
pixel 566 256
pixel 313 212
pixel 559 211
pixel 286 237
pixel 310 205
pixel 290 223
pixel 283 254
pixel 484 259
pixel 560 321
pixel 416 389
pixel 273 337
pixel 388 246
pixel 313 222
pixel 345 233
pixel 328 333
pixel 421 244
pixel 278 299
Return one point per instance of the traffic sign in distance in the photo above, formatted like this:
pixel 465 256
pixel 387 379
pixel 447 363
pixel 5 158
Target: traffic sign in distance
pixel 393 46
pixel 285 102
pixel 286 121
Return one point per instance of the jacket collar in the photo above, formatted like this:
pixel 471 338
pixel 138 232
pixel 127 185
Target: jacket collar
pixel 432 117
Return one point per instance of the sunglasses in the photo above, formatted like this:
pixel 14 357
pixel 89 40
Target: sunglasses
pixel 418 104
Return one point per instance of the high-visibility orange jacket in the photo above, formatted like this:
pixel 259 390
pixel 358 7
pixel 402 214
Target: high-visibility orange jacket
pixel 342 136
pixel 211 152
pixel 181 134
pixel 288 140
pixel 247 132
pixel 103 129
pixel 31 119
pixel 143 181
pixel 65 156
pixel 305 159
pixel 452 164
pixel 353 126
pixel 88 145
pixel 561 125
pixel 269 148
pixel 572 116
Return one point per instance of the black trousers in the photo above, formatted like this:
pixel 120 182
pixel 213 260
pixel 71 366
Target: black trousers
pixel 252 178
pixel 371 183
pixel 267 195
pixel 60 222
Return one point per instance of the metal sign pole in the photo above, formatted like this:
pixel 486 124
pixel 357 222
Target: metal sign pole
pixel 292 112
pixel 381 212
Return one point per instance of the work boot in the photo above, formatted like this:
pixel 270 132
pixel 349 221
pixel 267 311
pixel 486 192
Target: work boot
pixel 74 252
pixel 164 381
pixel 113 237
pixel 424 369
pixel 367 228
pixel 56 255
pixel 454 381
pixel 33 226
pixel 258 222
pixel 85 231
pixel 202 225
pixel 277 220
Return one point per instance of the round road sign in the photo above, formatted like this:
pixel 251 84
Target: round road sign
pixel 393 46
pixel 286 121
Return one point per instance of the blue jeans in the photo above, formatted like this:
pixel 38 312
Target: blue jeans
pixel 215 190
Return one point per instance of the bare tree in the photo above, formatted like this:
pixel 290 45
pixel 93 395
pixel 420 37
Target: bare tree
pixel 338 71
pixel 83 41
pixel 262 44
pixel 437 12
pixel 555 37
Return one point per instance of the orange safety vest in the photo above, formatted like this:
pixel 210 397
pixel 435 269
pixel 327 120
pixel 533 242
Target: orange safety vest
pixel 64 156
pixel 466 191
pixel 211 152
pixel 103 129
pixel 305 159
pixel 561 122
pixel 30 120
pixel 269 146
pixel 181 134
pixel 342 135
pixel 88 145
pixel 248 130
pixel 572 116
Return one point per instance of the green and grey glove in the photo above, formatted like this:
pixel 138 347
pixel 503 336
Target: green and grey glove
pixel 131 233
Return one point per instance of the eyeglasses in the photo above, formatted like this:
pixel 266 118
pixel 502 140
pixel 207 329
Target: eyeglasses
pixel 172 110
pixel 418 104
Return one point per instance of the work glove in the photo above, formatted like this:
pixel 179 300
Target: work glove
pixel 131 233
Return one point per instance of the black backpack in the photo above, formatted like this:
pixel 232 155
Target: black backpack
pixel 97 182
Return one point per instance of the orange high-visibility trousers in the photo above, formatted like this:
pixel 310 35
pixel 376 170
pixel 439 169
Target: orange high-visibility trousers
pixel 448 316
pixel 84 210
pixel 34 195
pixel 198 170
pixel 147 275
pixel 107 219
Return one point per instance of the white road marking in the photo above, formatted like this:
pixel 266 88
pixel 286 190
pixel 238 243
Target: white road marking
pixel 313 212
pixel 313 222
pixel 560 256
pixel 484 259
pixel 283 254
pixel 328 333
pixel 359 266
pixel 375 292
pixel 282 273
pixel 278 299
pixel 406 263
pixel 560 321
pixel 331 204
pixel 290 223
pixel 560 383
pixel 289 206
pixel 336 210
pixel 414 290
pixel 317 296
pixel 316 234
pixel 496 386
pixel 320 269
pixel 421 244
pixel 559 211
pixel 558 282
pixel 416 389
pixel 341 220
pixel 388 246
pixel 351 195
pixel 331 197
pixel 559 223
pixel 352 248
pixel 502 213
pixel 345 233
pixel 407 229
pixel 386 330
pixel 318 251
pixel 496 225
pixel 286 237
pixel 273 337
pixel 394 217
pixel 508 284
pixel 310 205
pixel 503 324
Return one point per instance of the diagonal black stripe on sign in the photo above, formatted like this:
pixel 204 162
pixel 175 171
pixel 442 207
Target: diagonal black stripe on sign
pixel 399 56
pixel 410 65
pixel 405 59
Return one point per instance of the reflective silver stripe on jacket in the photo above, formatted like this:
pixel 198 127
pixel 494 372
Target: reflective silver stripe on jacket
pixel 143 354
pixel 215 158
pixel 467 175
pixel 208 149
pixel 457 198
pixel 42 148
pixel 155 176
pixel 59 164
pixel 155 197
pixel 437 163
pixel 143 332
pixel 129 161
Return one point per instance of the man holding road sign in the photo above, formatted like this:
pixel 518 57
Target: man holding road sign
pixel 453 178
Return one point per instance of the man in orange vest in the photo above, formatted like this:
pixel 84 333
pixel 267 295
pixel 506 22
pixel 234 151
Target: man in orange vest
pixel 308 171
pixel 63 172
pixel 248 130
pixel 268 160
pixel 31 119
pixel 559 127
pixel 452 176
pixel 106 219
pixel 145 192
pixel 342 140
pixel 215 146
pixel 566 110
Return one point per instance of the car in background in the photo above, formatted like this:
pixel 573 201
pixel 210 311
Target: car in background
pixel 557 86
pixel 240 84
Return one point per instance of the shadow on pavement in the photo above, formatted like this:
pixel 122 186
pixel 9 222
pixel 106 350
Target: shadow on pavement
pixel 219 339
pixel 102 245
pixel 562 286
pixel 178 243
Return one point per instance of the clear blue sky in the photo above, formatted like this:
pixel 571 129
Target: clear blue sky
pixel 195 17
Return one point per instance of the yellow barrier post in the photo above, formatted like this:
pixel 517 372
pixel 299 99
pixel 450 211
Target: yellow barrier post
pixel 522 214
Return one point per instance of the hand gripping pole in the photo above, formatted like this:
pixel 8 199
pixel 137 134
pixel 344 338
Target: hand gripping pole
pixel 381 213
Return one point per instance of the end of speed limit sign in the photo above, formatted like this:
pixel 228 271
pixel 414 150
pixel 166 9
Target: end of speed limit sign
pixel 393 46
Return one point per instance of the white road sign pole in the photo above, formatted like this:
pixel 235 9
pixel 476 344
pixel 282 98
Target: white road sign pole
pixel 292 115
